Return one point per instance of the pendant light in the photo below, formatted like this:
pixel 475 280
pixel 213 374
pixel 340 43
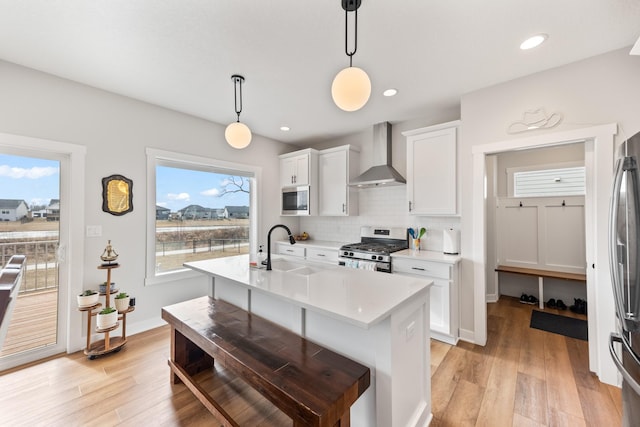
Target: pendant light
pixel 238 135
pixel 351 87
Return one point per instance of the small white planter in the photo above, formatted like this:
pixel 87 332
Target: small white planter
pixel 88 300
pixel 104 321
pixel 122 304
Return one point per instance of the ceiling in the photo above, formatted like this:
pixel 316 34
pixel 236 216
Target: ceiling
pixel 180 54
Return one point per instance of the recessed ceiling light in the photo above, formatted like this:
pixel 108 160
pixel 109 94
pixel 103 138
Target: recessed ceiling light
pixel 533 41
pixel 390 92
pixel 285 128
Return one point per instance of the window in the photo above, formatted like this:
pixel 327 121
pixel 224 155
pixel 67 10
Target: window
pixel 553 181
pixel 198 209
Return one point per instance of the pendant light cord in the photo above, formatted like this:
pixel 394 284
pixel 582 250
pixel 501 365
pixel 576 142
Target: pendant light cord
pixel 235 95
pixel 346 36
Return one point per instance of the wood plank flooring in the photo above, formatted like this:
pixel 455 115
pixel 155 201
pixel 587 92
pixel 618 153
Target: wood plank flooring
pixel 522 377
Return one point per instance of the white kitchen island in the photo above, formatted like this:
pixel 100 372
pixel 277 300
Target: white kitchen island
pixel 380 320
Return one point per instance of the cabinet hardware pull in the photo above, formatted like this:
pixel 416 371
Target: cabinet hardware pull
pixel 418 268
pixel 320 255
pixel 409 205
pixel 343 208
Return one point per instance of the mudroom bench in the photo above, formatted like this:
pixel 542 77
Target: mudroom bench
pixel 541 275
pixel 312 385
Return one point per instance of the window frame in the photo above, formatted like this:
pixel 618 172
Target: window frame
pixel 157 157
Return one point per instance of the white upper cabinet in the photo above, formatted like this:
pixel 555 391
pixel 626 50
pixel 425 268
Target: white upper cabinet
pixel 297 168
pixel 432 184
pixel 336 166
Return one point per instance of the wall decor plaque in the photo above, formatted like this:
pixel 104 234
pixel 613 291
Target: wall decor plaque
pixel 117 195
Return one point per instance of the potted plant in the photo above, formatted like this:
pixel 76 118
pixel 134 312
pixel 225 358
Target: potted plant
pixel 88 298
pixel 106 318
pixel 103 287
pixel 122 302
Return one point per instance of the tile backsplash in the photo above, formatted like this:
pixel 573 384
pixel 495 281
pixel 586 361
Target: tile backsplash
pixel 385 207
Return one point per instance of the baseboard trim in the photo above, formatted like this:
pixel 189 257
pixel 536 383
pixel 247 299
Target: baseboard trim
pixel 467 335
pixel 493 297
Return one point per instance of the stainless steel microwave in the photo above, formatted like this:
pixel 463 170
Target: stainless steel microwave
pixel 295 201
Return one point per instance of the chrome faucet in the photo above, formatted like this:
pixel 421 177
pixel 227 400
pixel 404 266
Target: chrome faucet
pixel 291 239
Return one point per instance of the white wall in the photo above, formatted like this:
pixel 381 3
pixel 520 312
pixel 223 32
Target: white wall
pixel 115 131
pixel 599 90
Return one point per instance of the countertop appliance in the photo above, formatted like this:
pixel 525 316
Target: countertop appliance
pixel 624 259
pixel 373 252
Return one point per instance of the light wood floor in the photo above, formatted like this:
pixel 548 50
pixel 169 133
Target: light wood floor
pixel 523 377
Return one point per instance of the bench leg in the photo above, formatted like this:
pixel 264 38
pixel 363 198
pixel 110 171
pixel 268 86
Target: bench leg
pixel 187 355
pixel 345 420
pixel 541 292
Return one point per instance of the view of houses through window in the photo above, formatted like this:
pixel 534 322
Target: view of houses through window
pixel 29 225
pixel 201 213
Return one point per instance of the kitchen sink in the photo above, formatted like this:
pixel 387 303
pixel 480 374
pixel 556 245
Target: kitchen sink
pixel 305 271
pixel 283 265
pixel 293 267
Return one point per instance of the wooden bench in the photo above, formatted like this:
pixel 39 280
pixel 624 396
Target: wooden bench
pixel 541 275
pixel 311 384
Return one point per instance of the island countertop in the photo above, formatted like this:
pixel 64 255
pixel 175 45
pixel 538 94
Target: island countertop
pixel 362 298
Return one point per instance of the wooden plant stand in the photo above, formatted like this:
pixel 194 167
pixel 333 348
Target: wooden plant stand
pixel 109 344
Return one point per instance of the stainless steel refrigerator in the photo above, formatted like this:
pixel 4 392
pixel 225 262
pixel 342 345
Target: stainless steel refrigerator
pixel 624 260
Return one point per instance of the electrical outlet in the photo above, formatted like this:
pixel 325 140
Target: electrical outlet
pixel 410 330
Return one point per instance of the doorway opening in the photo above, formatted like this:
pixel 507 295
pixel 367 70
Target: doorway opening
pixel 68 254
pixel 30 226
pixel 536 221
pixel 598 141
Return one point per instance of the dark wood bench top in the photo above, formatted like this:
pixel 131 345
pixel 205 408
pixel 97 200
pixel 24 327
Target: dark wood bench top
pixel 311 384
pixel 542 273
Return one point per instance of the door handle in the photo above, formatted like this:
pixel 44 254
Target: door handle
pixel 614 337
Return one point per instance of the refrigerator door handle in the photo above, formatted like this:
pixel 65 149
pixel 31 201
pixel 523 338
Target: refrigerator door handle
pixel 625 375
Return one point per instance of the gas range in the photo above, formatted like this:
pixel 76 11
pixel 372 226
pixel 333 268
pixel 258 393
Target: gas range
pixel 374 250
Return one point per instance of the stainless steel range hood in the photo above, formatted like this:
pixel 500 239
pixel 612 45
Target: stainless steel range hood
pixel 383 174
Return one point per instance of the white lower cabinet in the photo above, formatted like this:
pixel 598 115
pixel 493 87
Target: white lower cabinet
pixel 443 294
pixel 309 252
pixel 291 250
pixel 329 256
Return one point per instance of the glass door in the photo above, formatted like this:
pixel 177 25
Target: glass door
pixel 30 207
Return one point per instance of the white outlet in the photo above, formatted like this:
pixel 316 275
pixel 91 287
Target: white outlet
pixel 94 230
pixel 410 330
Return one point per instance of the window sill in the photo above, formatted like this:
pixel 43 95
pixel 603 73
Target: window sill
pixel 171 276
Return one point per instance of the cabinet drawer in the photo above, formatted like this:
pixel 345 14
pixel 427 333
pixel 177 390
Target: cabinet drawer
pixel 292 250
pixel 421 268
pixel 323 255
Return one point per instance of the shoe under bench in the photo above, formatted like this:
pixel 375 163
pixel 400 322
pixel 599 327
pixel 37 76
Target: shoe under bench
pixel 541 274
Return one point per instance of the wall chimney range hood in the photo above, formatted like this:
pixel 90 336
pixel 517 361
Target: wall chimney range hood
pixel 383 174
